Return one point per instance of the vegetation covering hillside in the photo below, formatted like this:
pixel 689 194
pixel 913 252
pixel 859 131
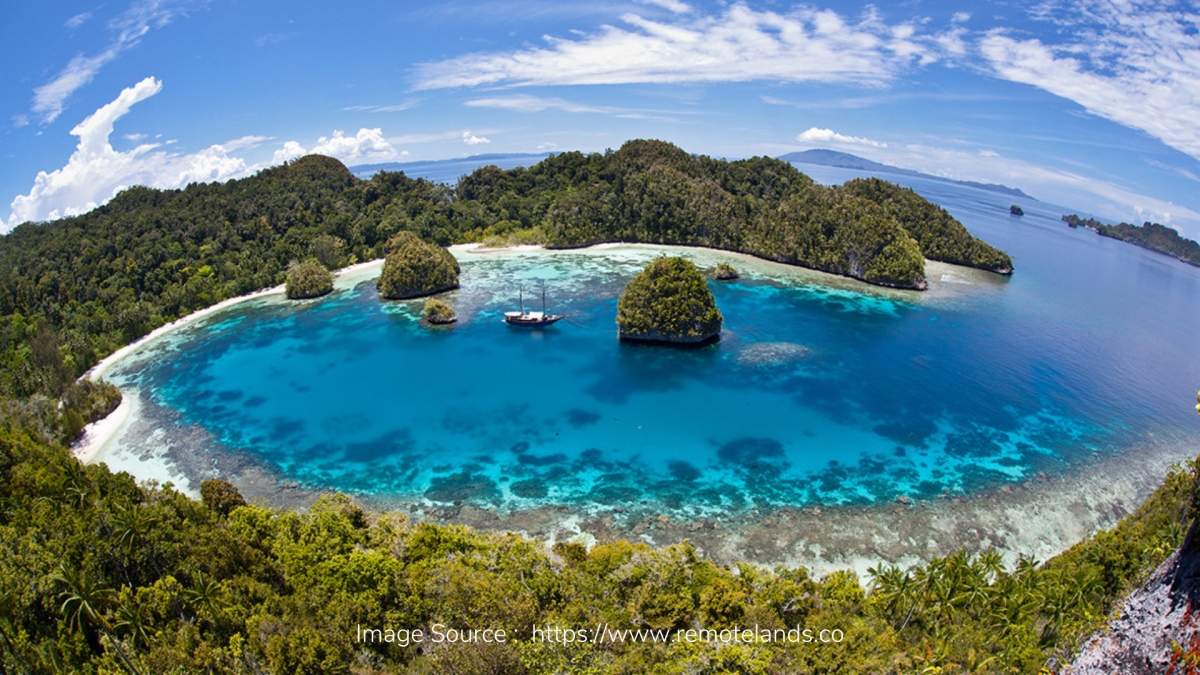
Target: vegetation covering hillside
pixel 939 234
pixel 1148 235
pixel 101 576
pixel 668 301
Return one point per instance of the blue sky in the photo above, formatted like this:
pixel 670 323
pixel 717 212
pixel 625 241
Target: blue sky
pixel 1093 105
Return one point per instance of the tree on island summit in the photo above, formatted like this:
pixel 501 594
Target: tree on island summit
pixel 669 301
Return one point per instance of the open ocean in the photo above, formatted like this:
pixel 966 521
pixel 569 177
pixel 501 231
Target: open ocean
pixel 821 389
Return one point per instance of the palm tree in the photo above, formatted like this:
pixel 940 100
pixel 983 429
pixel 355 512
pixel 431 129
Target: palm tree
pixel 83 600
pixel 207 593
pixel 132 524
pixel 131 618
pixel 992 564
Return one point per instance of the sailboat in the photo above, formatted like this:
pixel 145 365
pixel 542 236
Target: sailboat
pixel 531 319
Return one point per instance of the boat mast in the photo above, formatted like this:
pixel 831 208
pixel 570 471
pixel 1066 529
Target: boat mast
pixel 521 299
pixel 543 298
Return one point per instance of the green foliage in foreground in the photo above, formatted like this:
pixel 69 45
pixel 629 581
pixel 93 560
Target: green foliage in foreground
pixel 668 300
pixel 1153 236
pixel 308 279
pixel 414 268
pixel 102 576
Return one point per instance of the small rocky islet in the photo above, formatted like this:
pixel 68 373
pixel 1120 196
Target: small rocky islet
pixel 669 301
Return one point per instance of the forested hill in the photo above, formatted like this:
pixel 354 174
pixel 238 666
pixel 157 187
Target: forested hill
pixel 91 283
pixel 1153 236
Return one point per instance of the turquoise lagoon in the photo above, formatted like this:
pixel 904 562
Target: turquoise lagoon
pixel 821 390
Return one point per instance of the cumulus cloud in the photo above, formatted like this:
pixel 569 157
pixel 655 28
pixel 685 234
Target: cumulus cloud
pixel 547 146
pixel 96 172
pixel 368 145
pixel 740 44
pixel 1135 63
pixel 471 139
pixel 128 28
pixel 290 150
pixel 816 135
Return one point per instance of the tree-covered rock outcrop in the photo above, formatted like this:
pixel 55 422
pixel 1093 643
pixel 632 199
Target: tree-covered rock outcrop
pixel 940 235
pixel 308 279
pixel 414 268
pixel 726 272
pixel 437 312
pixel 668 301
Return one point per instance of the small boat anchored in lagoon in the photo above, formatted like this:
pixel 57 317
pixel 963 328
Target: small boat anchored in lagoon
pixel 531 319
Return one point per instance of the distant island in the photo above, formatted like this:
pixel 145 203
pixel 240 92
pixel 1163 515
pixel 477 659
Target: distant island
pixel 1156 237
pixel 845 160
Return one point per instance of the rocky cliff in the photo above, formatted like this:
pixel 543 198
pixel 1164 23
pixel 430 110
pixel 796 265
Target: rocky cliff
pixel 1158 631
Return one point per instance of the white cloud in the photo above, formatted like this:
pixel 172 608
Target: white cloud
pixel 77 20
pixel 381 108
pixel 367 146
pixel 740 44
pixel 547 146
pixel 669 5
pixel 290 150
pixel 532 104
pixel 96 172
pixel 134 138
pixel 816 135
pixel 50 99
pixel 471 139
pixel 1135 63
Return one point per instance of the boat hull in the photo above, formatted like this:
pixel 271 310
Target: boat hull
pixel 532 323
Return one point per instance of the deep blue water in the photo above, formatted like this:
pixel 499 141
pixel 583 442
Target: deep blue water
pixel 820 390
